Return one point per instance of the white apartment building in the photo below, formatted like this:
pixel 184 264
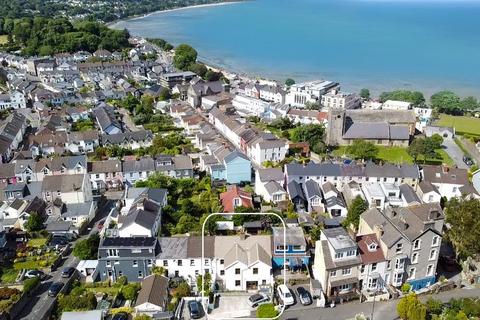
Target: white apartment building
pixel 341 100
pixel 301 93
pixel 249 106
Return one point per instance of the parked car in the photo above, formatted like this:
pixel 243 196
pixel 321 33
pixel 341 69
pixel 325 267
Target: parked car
pixel 58 241
pixel 34 273
pixel 468 161
pixel 285 295
pixel 120 316
pixel 304 296
pixel 194 309
pixel 257 299
pixel 67 272
pixel 55 289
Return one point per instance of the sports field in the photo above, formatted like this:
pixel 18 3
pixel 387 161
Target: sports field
pixel 462 124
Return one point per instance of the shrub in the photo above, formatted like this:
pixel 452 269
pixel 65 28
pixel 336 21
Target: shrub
pixel 122 280
pixel 5 293
pixel 30 284
pixel 434 306
pixel 129 292
pixel 266 311
pixel 406 287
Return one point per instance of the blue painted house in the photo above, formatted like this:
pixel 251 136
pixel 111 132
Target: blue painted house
pixel 217 171
pixel 238 168
pixel 293 245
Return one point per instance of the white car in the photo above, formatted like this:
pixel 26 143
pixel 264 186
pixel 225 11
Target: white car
pixel 285 295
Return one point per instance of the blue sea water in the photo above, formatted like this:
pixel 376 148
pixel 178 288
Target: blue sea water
pixel 378 44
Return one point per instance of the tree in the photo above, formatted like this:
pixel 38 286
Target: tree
pixel 204 283
pixel 315 232
pixel 182 290
pixel 434 306
pixel 365 94
pixel 289 82
pixel 361 149
pixel 446 102
pixel 164 94
pixel 185 55
pixel 462 216
pixel 469 103
pixel 437 140
pixel 199 68
pixel 34 222
pixel 410 308
pixel 311 133
pixel 158 270
pixel 266 311
pixel 76 302
pixel 414 97
pixel 424 147
pixel 87 249
pixel 130 290
pixel 357 207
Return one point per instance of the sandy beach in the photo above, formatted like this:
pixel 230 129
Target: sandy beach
pixel 113 23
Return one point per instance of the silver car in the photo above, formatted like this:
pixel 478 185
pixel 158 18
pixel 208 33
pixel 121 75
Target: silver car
pixel 257 299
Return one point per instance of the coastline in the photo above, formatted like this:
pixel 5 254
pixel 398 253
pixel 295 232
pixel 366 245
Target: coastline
pixel 206 5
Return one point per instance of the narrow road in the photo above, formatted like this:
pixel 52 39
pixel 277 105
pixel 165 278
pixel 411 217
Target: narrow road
pixel 383 310
pixel 471 148
pixel 40 305
pixel 455 153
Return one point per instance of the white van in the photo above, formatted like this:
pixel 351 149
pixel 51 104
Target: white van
pixel 285 295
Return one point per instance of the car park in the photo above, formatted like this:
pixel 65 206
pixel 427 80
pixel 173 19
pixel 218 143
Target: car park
pixel 304 296
pixel 67 272
pixel 194 309
pixel 34 273
pixel 55 289
pixel 285 295
pixel 257 299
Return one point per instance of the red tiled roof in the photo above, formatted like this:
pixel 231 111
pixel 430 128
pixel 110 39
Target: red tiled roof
pixel 369 257
pixel 235 192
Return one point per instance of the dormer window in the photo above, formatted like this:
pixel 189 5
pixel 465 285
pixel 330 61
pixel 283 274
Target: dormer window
pixel 438 175
pixel 372 247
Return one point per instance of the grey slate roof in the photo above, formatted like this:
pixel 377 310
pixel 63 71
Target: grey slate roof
pixel 63 183
pixel 270 174
pixel 142 164
pixel 312 189
pixel 173 248
pixel 141 217
pixel 273 187
pixel 233 155
pixel 294 190
pixel 122 137
pixel 77 209
pixel 106 116
pixel 409 194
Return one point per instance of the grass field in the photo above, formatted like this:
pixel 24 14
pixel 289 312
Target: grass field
pixel 3 39
pixel 400 155
pixel 37 243
pixel 462 124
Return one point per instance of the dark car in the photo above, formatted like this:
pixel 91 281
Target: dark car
pixel 120 316
pixel 34 273
pixel 194 310
pixel 304 296
pixel 67 272
pixel 468 161
pixel 58 241
pixel 55 289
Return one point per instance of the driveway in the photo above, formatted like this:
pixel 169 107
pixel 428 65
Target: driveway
pixel 231 306
pixel 455 153
pixel 382 311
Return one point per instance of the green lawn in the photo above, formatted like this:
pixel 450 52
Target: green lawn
pixel 37 243
pixel 3 39
pixel 400 155
pixel 462 124
pixel 8 275
pixel 35 262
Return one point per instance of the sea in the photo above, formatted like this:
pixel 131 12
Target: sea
pixel 426 45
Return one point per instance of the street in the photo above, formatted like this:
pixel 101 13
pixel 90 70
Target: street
pixel 383 310
pixel 41 304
